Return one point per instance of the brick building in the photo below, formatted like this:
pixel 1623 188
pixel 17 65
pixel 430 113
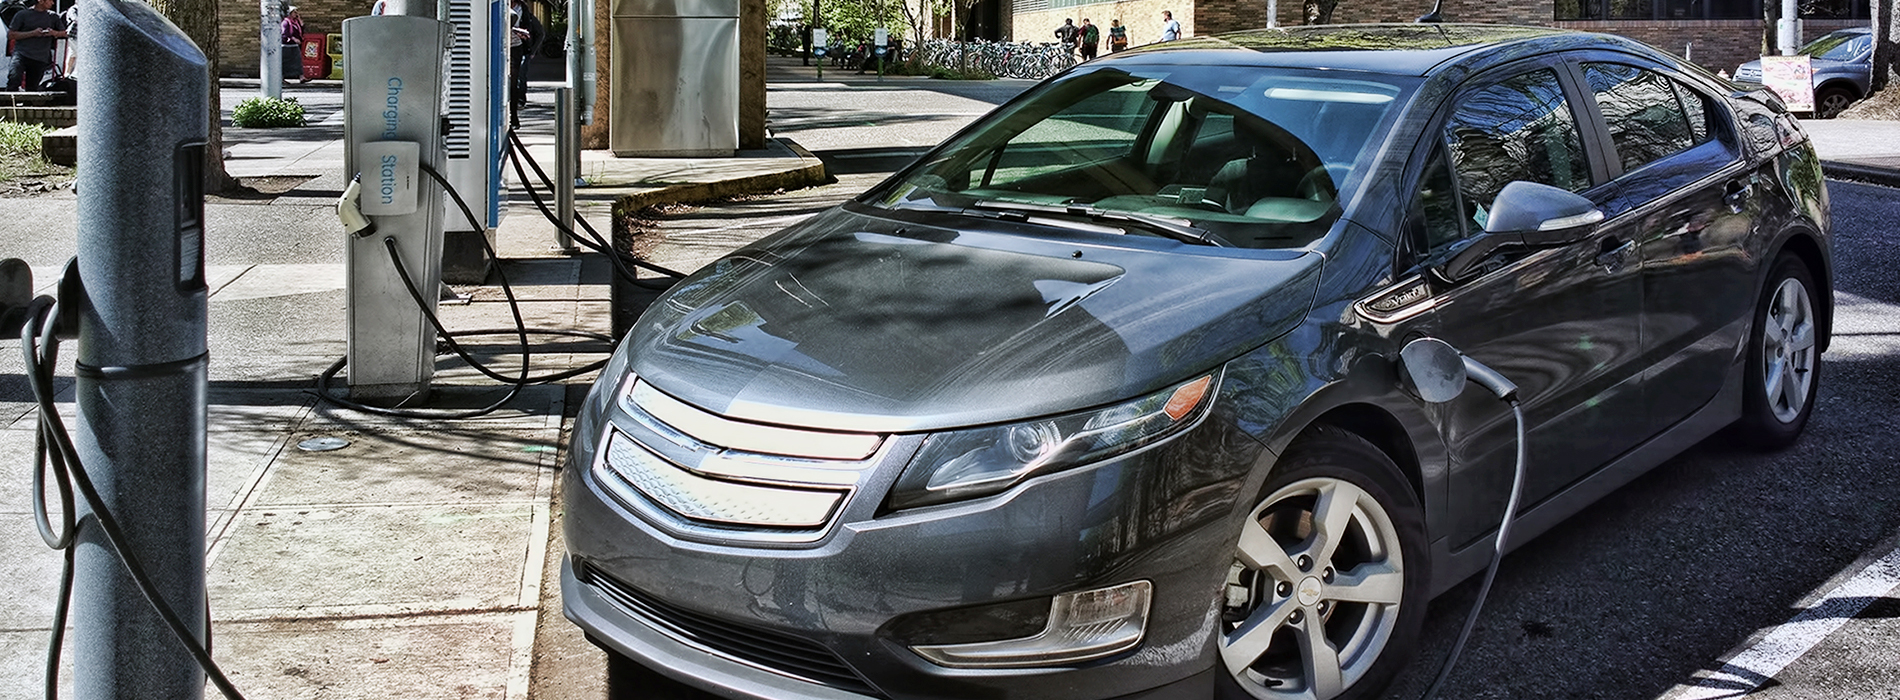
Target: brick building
pixel 239 28
pixel 1718 34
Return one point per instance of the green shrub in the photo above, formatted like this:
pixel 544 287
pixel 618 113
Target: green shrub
pixel 20 140
pixel 267 112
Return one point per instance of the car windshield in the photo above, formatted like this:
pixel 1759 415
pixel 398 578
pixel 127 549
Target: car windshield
pixel 1839 46
pixel 1229 155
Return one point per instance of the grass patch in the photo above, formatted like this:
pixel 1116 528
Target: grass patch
pixel 20 150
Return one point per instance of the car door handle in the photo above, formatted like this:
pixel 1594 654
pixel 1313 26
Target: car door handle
pixel 1615 253
pixel 1736 194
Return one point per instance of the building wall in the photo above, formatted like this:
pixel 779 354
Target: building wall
pixel 1142 17
pixel 1219 16
pixel 1535 12
pixel 239 26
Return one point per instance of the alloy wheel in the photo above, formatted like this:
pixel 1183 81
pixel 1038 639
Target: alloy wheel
pixel 1788 350
pixel 1313 596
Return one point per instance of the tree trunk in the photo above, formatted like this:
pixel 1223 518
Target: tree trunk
pixel 1770 15
pixel 199 20
pixel 1886 52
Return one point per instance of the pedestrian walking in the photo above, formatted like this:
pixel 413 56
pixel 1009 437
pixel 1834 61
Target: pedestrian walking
pixel 1170 29
pixel 33 32
pixel 1065 35
pixel 525 41
pixel 1091 38
pixel 1117 36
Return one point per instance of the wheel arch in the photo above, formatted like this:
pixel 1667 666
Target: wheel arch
pixel 1807 248
pixel 1841 84
pixel 1383 430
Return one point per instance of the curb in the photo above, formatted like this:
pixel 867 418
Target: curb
pixel 807 175
pixel 1884 177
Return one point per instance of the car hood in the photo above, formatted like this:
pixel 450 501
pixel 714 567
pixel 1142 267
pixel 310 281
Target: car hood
pixel 856 322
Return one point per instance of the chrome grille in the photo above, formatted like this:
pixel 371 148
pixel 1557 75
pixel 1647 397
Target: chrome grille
pixel 699 497
pixel 694 470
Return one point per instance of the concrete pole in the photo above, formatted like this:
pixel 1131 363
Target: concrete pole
pixel 1273 13
pixel 141 359
pixel 1788 30
pixel 270 41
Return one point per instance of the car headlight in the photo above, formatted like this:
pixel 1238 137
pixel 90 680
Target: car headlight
pixel 981 461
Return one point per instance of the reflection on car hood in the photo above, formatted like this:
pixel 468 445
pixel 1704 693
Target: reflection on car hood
pixel 858 323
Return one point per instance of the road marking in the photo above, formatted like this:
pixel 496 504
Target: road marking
pixel 1750 669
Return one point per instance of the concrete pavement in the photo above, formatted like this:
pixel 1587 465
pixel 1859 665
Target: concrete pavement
pixel 416 561
pixel 413 561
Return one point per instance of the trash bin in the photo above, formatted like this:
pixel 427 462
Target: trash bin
pixel 290 57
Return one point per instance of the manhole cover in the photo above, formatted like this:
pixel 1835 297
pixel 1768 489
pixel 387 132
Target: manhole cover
pixel 323 444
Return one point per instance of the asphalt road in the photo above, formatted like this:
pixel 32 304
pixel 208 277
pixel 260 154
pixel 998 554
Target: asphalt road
pixel 1637 593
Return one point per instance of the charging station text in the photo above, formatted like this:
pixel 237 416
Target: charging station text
pixel 390 110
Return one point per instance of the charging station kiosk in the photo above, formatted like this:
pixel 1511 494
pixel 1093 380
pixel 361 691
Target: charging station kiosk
pixel 477 100
pixel 392 101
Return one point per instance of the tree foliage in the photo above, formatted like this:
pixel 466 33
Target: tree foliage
pixel 850 20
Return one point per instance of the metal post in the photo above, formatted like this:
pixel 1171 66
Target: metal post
pixel 566 159
pixel 1788 30
pixel 270 40
pixel 141 355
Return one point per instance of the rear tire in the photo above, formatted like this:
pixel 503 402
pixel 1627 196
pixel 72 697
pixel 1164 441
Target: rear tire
pixel 1783 372
pixel 1336 538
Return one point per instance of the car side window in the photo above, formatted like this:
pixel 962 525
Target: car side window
pixel 1520 128
pixel 1436 223
pixel 1646 120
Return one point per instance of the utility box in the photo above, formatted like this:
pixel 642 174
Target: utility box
pixel 676 78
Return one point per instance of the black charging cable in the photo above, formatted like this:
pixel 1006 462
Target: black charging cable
pixel 53 450
pixel 1497 548
pixel 521 331
pixel 593 240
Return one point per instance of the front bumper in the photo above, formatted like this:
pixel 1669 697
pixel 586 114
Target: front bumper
pixel 813 620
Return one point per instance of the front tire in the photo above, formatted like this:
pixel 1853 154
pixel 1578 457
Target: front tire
pixel 1784 358
pixel 1327 591
pixel 1829 102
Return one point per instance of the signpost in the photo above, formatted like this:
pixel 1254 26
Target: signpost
pixel 818 49
pixel 882 39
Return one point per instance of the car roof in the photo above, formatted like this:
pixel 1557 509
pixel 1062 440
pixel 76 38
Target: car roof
pixel 1400 49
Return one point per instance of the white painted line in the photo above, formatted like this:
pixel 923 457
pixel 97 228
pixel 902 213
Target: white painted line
pixel 1755 666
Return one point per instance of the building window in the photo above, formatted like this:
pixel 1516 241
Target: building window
pixel 1700 9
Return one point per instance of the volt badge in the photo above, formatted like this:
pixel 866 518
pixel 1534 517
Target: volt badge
pixel 389 173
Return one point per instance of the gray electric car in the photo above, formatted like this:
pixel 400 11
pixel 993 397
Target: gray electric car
pixel 1103 397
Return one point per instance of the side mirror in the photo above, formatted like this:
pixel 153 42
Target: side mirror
pixel 1541 214
pixel 1525 214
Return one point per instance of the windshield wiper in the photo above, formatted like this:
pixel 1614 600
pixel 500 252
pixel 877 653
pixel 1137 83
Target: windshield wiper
pixel 1172 227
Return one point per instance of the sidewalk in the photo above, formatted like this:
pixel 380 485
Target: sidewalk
pixel 1854 149
pixel 415 561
